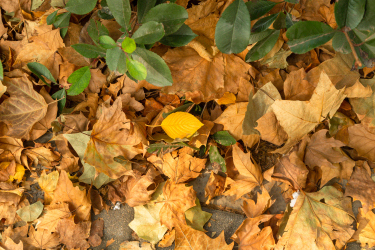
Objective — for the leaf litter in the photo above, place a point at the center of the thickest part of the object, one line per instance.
(304, 123)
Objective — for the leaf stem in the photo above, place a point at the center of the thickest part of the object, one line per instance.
(357, 61)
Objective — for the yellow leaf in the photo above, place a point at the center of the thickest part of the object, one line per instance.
(227, 98)
(180, 125)
(19, 173)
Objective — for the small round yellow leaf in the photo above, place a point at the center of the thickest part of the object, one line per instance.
(181, 125)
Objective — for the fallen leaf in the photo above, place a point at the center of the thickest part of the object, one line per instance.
(135, 245)
(270, 129)
(203, 134)
(40, 239)
(362, 141)
(365, 233)
(31, 212)
(54, 213)
(264, 201)
(296, 87)
(168, 239)
(214, 186)
(196, 218)
(364, 107)
(227, 98)
(73, 235)
(359, 90)
(180, 125)
(96, 232)
(8, 244)
(48, 184)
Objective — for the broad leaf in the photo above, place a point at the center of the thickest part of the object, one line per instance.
(232, 32)
(224, 138)
(289, 21)
(280, 22)
(158, 72)
(292, 1)
(180, 125)
(257, 36)
(116, 60)
(264, 23)
(349, 13)
(149, 33)
(136, 69)
(40, 70)
(259, 8)
(143, 6)
(365, 107)
(121, 11)
(128, 45)
(340, 43)
(307, 35)
(52, 17)
(181, 37)
(80, 79)
(89, 51)
(107, 42)
(196, 218)
(80, 7)
(262, 47)
(172, 22)
(31, 212)
(61, 96)
(368, 21)
(96, 29)
(216, 158)
(62, 22)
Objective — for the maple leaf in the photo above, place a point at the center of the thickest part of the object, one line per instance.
(250, 174)
(186, 238)
(111, 136)
(362, 140)
(296, 87)
(196, 217)
(179, 168)
(54, 213)
(48, 184)
(8, 244)
(365, 233)
(23, 109)
(264, 201)
(78, 201)
(320, 220)
(270, 129)
(300, 117)
(365, 107)
(214, 186)
(74, 235)
(40, 239)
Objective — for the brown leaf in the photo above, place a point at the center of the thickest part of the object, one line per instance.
(365, 233)
(296, 87)
(74, 235)
(130, 102)
(135, 245)
(168, 239)
(270, 129)
(361, 187)
(91, 103)
(178, 199)
(111, 136)
(16, 234)
(8, 212)
(214, 186)
(264, 201)
(68, 162)
(179, 168)
(78, 201)
(362, 141)
(13, 146)
(8, 244)
(53, 215)
(40, 239)
(96, 232)
(167, 99)
(23, 109)
(97, 81)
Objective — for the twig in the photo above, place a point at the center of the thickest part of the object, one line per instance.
(357, 61)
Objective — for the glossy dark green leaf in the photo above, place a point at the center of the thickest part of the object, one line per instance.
(368, 21)
(349, 13)
(143, 6)
(215, 157)
(88, 50)
(121, 11)
(61, 96)
(280, 22)
(128, 45)
(136, 69)
(107, 42)
(62, 22)
(257, 36)
(340, 43)
(52, 17)
(224, 138)
(232, 31)
(259, 8)
(367, 41)
(289, 21)
(163, 1)
(263, 47)
(181, 37)
(158, 72)
(292, 1)
(105, 13)
(80, 7)
(307, 35)
(96, 29)
(40, 70)
(149, 33)
(264, 23)
(116, 60)
(172, 21)
(79, 79)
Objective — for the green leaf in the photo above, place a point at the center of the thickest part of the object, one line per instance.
(289, 21)
(368, 21)
(88, 50)
(257, 36)
(36, 4)
(40, 70)
(158, 72)
(79, 79)
(136, 69)
(149, 33)
(224, 138)
(307, 35)
(80, 7)
(196, 218)
(263, 47)
(52, 17)
(264, 23)
(292, 1)
(121, 11)
(107, 42)
(172, 21)
(128, 45)
(340, 43)
(1, 71)
(232, 31)
(215, 157)
(116, 60)
(162, 147)
(96, 29)
(31, 212)
(89, 174)
(349, 13)
(62, 21)
(181, 37)
(143, 6)
(60, 95)
(105, 13)
(280, 22)
(259, 8)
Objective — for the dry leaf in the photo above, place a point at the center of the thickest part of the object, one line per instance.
(264, 201)
(40, 239)
(74, 235)
(362, 141)
(214, 186)
(54, 213)
(270, 129)
(96, 232)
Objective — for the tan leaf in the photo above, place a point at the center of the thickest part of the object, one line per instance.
(96, 232)
(300, 117)
(250, 174)
(8, 244)
(179, 168)
(53, 215)
(270, 129)
(358, 90)
(23, 109)
(8, 212)
(168, 239)
(74, 235)
(48, 184)
(362, 141)
(365, 233)
(214, 186)
(91, 103)
(78, 201)
(178, 199)
(264, 201)
(135, 245)
(203, 134)
(40, 239)
(296, 87)
(111, 136)
(364, 107)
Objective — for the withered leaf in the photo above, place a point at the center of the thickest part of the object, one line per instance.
(40, 239)
(74, 235)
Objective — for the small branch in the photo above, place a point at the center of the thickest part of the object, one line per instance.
(357, 61)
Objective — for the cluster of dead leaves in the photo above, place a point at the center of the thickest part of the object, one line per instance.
(314, 108)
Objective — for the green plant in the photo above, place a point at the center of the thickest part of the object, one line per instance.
(355, 33)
